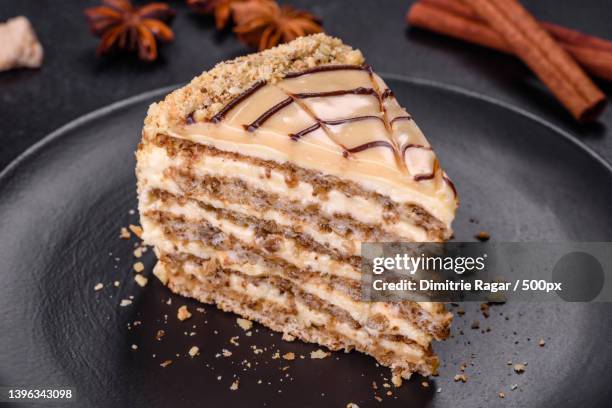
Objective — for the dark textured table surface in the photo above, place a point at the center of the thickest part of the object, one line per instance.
(73, 81)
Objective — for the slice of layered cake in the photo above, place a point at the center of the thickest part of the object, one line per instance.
(259, 180)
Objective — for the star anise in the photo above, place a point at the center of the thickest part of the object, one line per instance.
(264, 24)
(123, 26)
(222, 9)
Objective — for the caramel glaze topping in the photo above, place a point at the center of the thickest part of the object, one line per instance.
(234, 102)
(329, 95)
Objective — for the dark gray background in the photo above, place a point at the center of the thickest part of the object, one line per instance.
(43, 211)
(73, 81)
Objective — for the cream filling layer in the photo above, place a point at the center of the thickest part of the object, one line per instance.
(153, 234)
(406, 352)
(307, 316)
(154, 160)
(288, 250)
(331, 239)
(360, 311)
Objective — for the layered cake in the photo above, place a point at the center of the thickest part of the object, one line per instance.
(259, 180)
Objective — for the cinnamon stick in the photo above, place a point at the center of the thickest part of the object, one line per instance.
(455, 7)
(452, 18)
(596, 62)
(559, 33)
(573, 37)
(423, 15)
(531, 43)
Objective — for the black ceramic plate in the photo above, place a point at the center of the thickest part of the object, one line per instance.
(63, 202)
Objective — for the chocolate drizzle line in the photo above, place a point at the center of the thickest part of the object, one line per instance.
(427, 176)
(355, 91)
(387, 93)
(325, 68)
(450, 184)
(398, 118)
(231, 104)
(267, 114)
(304, 132)
(353, 119)
(320, 124)
(369, 145)
(414, 146)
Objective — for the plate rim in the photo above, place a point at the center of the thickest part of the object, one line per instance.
(33, 149)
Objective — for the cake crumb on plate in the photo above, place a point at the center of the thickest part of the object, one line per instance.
(483, 236)
(124, 233)
(141, 280)
(460, 377)
(183, 313)
(244, 324)
(318, 354)
(136, 229)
